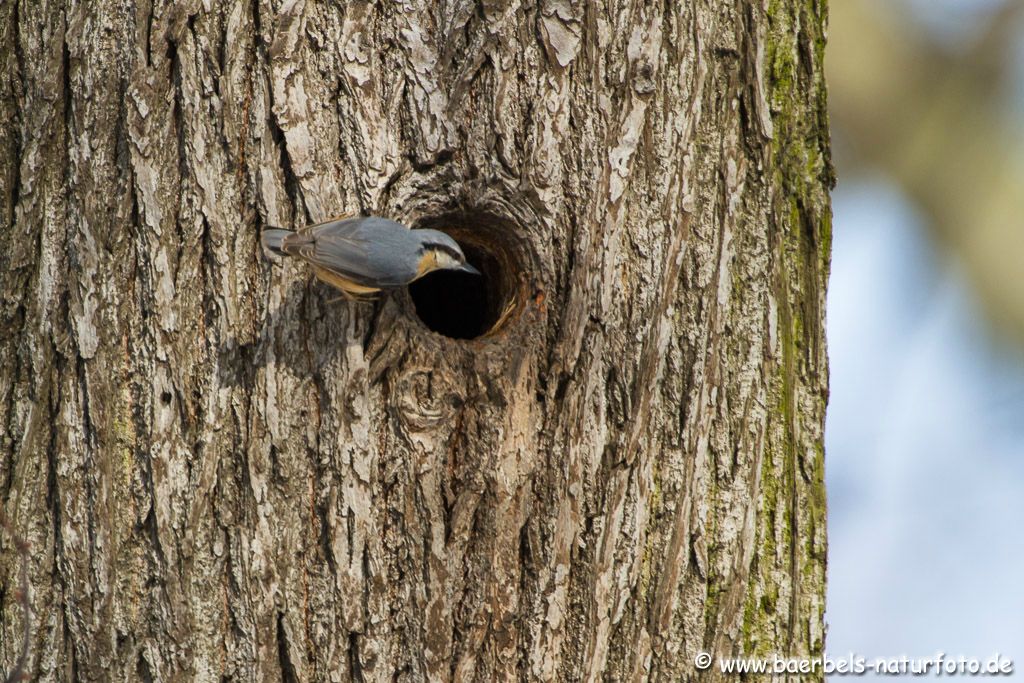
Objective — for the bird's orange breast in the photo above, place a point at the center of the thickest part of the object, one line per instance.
(343, 283)
(428, 263)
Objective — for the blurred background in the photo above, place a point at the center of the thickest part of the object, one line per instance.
(925, 432)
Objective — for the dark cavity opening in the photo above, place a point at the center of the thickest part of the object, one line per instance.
(464, 306)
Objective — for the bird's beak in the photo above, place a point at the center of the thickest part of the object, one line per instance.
(466, 268)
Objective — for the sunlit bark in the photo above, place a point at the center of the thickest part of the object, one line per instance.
(222, 472)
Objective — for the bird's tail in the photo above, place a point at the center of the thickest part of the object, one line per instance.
(273, 237)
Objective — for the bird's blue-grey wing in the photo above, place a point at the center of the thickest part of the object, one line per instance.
(360, 250)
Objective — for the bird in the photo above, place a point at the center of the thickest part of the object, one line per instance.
(361, 256)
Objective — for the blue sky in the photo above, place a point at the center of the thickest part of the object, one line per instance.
(924, 448)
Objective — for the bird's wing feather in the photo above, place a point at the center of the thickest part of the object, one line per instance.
(344, 247)
(313, 227)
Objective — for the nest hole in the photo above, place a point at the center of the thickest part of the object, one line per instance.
(462, 305)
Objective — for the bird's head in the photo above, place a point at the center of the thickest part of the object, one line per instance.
(438, 251)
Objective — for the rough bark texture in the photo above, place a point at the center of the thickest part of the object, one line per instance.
(223, 473)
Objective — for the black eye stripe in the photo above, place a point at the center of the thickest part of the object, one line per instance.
(445, 248)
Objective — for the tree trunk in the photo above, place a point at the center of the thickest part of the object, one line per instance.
(223, 472)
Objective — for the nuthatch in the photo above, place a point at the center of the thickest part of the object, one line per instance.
(361, 256)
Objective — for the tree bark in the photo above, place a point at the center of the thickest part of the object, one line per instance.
(224, 473)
